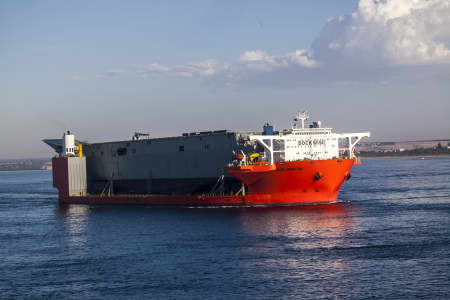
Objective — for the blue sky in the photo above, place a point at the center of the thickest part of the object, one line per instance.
(104, 69)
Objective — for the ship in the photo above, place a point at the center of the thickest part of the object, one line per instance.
(307, 163)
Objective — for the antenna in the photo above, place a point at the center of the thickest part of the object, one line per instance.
(302, 117)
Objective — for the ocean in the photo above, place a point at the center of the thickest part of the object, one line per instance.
(388, 237)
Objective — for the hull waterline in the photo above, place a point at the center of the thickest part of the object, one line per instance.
(290, 183)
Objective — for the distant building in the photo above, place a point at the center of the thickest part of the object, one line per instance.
(402, 146)
(47, 166)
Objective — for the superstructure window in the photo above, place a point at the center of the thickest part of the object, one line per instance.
(181, 148)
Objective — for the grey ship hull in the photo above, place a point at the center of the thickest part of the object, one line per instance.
(190, 164)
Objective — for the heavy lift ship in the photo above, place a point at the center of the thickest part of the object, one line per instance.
(301, 165)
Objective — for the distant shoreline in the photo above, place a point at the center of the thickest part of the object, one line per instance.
(21, 170)
(404, 156)
(40, 167)
(26, 164)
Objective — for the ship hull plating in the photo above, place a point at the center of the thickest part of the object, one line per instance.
(179, 186)
(288, 183)
(312, 181)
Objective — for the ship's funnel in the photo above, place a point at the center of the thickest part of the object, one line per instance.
(68, 144)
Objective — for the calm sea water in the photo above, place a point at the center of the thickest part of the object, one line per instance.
(387, 238)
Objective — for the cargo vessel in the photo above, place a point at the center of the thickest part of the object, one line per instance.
(307, 163)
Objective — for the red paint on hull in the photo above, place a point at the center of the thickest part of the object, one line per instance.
(160, 200)
(181, 200)
(294, 182)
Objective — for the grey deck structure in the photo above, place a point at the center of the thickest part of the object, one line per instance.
(188, 164)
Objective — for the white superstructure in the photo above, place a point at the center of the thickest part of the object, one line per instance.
(68, 145)
(307, 143)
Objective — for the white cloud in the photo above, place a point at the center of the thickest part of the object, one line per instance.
(200, 68)
(114, 72)
(148, 70)
(157, 68)
(191, 69)
(261, 61)
(302, 58)
(184, 74)
(334, 45)
(383, 11)
(258, 55)
(380, 39)
(390, 32)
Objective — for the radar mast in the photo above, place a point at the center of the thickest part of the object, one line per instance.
(301, 117)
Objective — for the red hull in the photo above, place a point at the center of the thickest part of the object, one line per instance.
(294, 182)
(201, 201)
(160, 200)
(280, 184)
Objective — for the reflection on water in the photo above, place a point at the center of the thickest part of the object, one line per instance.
(295, 239)
(75, 219)
(326, 224)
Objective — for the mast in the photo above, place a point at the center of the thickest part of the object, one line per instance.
(301, 117)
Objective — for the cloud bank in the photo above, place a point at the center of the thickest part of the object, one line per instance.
(391, 32)
(380, 41)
